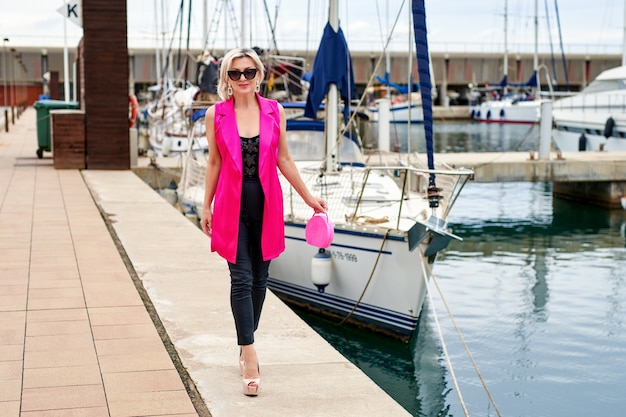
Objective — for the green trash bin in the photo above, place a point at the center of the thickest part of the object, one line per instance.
(43, 108)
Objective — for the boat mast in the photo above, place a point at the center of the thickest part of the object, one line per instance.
(537, 87)
(506, 47)
(332, 126)
(157, 47)
(387, 54)
(244, 8)
(624, 42)
(536, 54)
(205, 20)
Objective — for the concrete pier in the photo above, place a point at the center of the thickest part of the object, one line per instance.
(111, 304)
(591, 177)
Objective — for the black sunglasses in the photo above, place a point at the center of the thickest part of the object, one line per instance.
(248, 73)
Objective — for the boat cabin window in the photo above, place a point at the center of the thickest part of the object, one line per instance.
(599, 86)
(308, 145)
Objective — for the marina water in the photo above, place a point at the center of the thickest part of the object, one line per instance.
(537, 288)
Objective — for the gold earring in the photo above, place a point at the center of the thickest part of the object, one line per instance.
(229, 91)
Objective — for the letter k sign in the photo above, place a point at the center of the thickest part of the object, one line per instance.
(73, 11)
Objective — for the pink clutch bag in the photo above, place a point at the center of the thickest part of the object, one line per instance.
(319, 231)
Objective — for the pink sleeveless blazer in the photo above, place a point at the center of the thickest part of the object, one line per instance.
(227, 200)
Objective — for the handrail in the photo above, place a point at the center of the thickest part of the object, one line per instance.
(460, 171)
(454, 193)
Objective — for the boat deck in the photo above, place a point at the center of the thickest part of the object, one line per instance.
(111, 304)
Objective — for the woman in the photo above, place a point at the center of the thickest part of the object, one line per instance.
(247, 142)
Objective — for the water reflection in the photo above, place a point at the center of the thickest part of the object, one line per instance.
(512, 216)
(537, 287)
(413, 374)
(430, 372)
(539, 291)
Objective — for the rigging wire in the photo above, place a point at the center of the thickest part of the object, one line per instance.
(444, 347)
(272, 24)
(180, 34)
(166, 62)
(186, 65)
(308, 29)
(558, 21)
(460, 334)
(552, 60)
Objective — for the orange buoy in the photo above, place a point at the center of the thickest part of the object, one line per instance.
(133, 106)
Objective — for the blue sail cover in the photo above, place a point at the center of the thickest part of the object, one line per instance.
(423, 69)
(532, 82)
(402, 89)
(333, 65)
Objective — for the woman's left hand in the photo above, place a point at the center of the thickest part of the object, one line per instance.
(318, 204)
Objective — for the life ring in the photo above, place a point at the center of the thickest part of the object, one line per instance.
(133, 106)
(608, 127)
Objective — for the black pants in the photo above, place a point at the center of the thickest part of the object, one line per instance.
(248, 275)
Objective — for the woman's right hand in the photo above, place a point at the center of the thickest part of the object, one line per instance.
(206, 221)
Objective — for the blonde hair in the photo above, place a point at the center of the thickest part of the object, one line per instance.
(222, 85)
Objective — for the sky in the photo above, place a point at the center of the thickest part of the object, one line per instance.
(453, 25)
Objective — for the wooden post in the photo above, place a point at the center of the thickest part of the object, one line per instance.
(53, 85)
(104, 84)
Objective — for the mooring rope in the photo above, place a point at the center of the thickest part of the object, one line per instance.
(463, 342)
(380, 251)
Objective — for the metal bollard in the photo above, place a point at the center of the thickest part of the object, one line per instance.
(545, 129)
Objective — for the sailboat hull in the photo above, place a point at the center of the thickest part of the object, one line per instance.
(383, 282)
(401, 113)
(507, 111)
(594, 119)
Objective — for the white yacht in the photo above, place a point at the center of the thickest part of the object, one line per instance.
(595, 118)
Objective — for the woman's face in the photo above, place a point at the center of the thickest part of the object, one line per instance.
(243, 75)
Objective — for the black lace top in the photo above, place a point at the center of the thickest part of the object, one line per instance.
(250, 156)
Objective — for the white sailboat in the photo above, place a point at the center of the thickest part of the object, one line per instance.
(522, 106)
(169, 123)
(595, 118)
(404, 103)
(389, 221)
(387, 232)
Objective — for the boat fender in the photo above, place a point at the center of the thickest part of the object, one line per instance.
(478, 114)
(582, 143)
(166, 146)
(473, 114)
(489, 114)
(502, 113)
(321, 269)
(608, 127)
(133, 106)
(170, 194)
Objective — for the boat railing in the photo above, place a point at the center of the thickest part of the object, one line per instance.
(384, 197)
(421, 174)
(604, 102)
